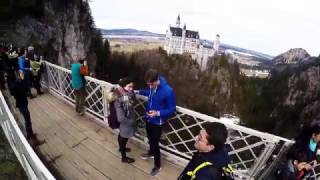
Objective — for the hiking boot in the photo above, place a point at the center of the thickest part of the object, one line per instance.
(128, 160)
(127, 150)
(155, 171)
(147, 156)
(35, 142)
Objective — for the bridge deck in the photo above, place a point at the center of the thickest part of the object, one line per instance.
(81, 149)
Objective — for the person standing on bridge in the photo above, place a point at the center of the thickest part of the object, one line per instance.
(160, 106)
(124, 106)
(20, 91)
(302, 156)
(211, 160)
(24, 66)
(79, 69)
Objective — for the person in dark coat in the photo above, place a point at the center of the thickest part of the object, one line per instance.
(20, 93)
(302, 156)
(11, 67)
(211, 158)
(124, 106)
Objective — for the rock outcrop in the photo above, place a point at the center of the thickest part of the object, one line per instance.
(292, 56)
(62, 31)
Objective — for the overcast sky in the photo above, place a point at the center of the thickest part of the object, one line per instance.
(267, 26)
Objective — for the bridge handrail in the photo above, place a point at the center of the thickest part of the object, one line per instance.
(28, 159)
(252, 152)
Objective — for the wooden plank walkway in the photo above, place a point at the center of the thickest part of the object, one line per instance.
(81, 149)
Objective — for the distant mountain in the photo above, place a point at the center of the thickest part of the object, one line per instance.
(134, 32)
(248, 51)
(129, 32)
(292, 56)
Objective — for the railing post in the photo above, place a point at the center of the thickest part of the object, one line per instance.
(277, 160)
(105, 104)
(60, 83)
(48, 77)
(261, 161)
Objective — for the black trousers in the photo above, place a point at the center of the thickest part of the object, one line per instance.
(154, 134)
(27, 120)
(122, 146)
(36, 82)
(28, 81)
(2, 80)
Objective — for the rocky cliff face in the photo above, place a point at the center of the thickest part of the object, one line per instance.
(62, 31)
(291, 57)
(300, 105)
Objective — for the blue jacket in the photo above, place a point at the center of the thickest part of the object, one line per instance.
(23, 64)
(160, 99)
(219, 158)
(77, 79)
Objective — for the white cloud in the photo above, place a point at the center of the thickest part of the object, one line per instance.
(269, 26)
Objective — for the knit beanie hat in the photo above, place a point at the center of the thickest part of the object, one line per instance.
(124, 81)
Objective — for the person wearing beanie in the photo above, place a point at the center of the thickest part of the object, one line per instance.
(124, 106)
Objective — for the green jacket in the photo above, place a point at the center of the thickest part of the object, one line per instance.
(35, 67)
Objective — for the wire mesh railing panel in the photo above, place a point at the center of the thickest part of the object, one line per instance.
(251, 152)
(28, 159)
(246, 146)
(59, 80)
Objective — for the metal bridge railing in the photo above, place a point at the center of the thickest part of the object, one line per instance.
(253, 153)
(28, 159)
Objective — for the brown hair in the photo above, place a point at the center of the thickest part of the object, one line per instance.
(151, 75)
(217, 134)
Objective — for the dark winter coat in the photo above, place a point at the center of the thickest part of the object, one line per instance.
(20, 93)
(219, 158)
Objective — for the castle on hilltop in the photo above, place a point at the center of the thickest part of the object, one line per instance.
(181, 40)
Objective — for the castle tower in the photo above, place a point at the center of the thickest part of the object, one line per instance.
(216, 44)
(183, 40)
(178, 21)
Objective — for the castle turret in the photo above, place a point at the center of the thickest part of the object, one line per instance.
(183, 40)
(178, 21)
(216, 44)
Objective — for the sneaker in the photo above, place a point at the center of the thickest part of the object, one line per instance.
(146, 156)
(155, 171)
(127, 150)
(128, 160)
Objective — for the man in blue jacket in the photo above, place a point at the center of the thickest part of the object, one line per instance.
(160, 106)
(211, 160)
(24, 66)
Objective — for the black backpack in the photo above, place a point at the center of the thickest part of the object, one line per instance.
(112, 117)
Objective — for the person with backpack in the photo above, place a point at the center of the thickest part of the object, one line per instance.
(124, 106)
(79, 69)
(211, 160)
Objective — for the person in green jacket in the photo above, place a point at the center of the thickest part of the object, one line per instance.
(36, 73)
(78, 84)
